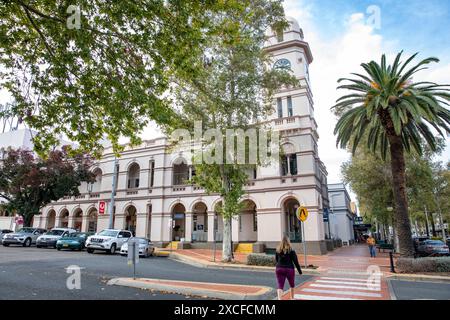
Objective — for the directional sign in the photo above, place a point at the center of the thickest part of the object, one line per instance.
(302, 213)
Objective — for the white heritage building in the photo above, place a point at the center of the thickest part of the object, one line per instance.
(153, 200)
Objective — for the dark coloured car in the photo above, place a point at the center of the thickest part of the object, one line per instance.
(432, 248)
(73, 241)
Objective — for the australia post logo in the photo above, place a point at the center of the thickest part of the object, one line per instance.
(101, 207)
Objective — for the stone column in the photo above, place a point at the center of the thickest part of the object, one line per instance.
(235, 229)
(270, 226)
(141, 224)
(84, 223)
(188, 227)
(211, 215)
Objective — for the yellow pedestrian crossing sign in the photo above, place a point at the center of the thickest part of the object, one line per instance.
(302, 214)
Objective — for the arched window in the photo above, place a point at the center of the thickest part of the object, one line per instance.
(180, 172)
(97, 185)
(133, 176)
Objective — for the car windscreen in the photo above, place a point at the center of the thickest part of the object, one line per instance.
(26, 230)
(55, 232)
(73, 235)
(143, 241)
(435, 243)
(108, 233)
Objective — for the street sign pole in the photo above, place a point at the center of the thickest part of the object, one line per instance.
(133, 254)
(304, 242)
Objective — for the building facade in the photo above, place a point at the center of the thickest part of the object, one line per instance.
(153, 199)
(342, 215)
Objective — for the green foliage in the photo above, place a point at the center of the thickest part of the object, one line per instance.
(432, 264)
(109, 77)
(265, 260)
(28, 184)
(386, 103)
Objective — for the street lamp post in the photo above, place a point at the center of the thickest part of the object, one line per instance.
(113, 193)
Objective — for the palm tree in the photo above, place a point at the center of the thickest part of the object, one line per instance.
(388, 110)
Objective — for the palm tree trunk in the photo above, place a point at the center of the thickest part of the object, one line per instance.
(402, 222)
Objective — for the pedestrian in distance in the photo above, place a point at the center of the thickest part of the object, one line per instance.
(287, 261)
(371, 243)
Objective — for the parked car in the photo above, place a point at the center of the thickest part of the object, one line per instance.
(73, 241)
(50, 238)
(146, 248)
(25, 236)
(3, 232)
(417, 240)
(448, 241)
(109, 240)
(433, 248)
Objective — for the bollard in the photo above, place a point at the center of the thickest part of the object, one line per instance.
(391, 259)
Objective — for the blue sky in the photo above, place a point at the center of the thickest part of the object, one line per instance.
(342, 35)
(415, 25)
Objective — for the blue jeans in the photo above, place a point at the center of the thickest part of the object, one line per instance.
(372, 251)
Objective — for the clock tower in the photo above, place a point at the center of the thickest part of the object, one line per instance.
(300, 168)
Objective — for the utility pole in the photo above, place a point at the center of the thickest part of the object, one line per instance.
(427, 221)
(442, 220)
(113, 194)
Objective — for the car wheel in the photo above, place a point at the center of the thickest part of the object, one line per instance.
(59, 249)
(90, 250)
(38, 246)
(6, 244)
(27, 243)
(113, 249)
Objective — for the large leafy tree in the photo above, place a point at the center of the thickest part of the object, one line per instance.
(92, 68)
(28, 183)
(397, 114)
(233, 90)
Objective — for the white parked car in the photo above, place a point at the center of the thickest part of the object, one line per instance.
(50, 238)
(146, 248)
(109, 240)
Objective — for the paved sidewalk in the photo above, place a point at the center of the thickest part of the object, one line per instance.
(200, 289)
(354, 257)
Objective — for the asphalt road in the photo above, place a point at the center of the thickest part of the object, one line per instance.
(411, 290)
(32, 273)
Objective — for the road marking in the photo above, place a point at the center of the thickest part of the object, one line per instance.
(343, 279)
(311, 297)
(350, 293)
(344, 282)
(365, 287)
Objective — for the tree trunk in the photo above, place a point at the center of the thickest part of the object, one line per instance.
(28, 219)
(227, 254)
(402, 221)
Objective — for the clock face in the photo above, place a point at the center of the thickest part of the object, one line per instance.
(282, 64)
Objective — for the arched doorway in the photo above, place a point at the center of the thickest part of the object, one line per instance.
(64, 219)
(293, 226)
(248, 224)
(51, 219)
(130, 219)
(92, 220)
(78, 219)
(200, 222)
(179, 222)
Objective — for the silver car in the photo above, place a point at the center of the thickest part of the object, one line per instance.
(146, 248)
(25, 236)
(3, 232)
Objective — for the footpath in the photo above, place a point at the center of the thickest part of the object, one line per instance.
(347, 273)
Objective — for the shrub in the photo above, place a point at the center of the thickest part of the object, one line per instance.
(429, 264)
(266, 260)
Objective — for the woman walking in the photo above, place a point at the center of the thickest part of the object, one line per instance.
(287, 261)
